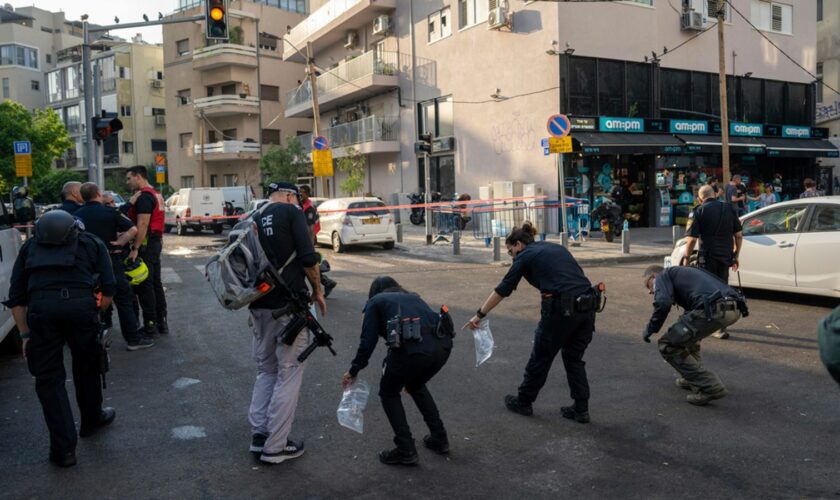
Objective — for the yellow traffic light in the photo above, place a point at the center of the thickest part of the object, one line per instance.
(217, 14)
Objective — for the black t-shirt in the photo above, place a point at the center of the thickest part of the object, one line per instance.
(311, 214)
(283, 230)
(103, 222)
(145, 204)
(715, 223)
(548, 267)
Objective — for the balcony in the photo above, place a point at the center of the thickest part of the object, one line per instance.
(228, 151)
(224, 55)
(361, 76)
(227, 105)
(329, 24)
(373, 134)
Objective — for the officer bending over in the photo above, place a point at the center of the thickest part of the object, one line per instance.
(567, 318)
(419, 342)
(51, 296)
(709, 305)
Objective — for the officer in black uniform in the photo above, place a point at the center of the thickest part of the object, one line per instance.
(567, 318)
(116, 231)
(419, 342)
(51, 296)
(717, 226)
(71, 196)
(709, 305)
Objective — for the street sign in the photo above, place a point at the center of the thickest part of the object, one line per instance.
(160, 174)
(560, 144)
(23, 158)
(320, 143)
(558, 126)
(322, 163)
(544, 142)
(23, 148)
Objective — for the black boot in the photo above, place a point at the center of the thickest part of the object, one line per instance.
(399, 456)
(515, 405)
(162, 327)
(579, 412)
(106, 416)
(438, 443)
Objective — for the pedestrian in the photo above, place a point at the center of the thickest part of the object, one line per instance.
(713, 182)
(719, 230)
(313, 221)
(567, 318)
(810, 189)
(146, 210)
(736, 194)
(116, 231)
(108, 199)
(709, 305)
(828, 334)
(72, 198)
(419, 341)
(767, 198)
(285, 238)
(51, 294)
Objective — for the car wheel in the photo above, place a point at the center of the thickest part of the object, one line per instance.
(180, 229)
(217, 229)
(338, 246)
(388, 245)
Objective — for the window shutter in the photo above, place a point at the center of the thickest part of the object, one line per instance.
(492, 4)
(776, 23)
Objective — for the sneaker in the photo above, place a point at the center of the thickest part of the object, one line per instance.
(292, 450)
(723, 334)
(683, 384)
(141, 343)
(257, 443)
(106, 416)
(438, 444)
(328, 285)
(702, 398)
(513, 404)
(581, 417)
(398, 456)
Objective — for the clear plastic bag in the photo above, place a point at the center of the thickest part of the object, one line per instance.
(352, 406)
(483, 342)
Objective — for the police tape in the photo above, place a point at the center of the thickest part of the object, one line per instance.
(441, 204)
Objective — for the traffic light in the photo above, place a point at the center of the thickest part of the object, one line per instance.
(215, 17)
(424, 145)
(104, 126)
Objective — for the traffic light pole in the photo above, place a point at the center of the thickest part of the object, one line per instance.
(428, 171)
(97, 105)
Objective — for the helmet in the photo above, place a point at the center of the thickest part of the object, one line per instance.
(136, 271)
(20, 191)
(57, 228)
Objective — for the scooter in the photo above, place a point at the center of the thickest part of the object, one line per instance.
(608, 213)
(418, 214)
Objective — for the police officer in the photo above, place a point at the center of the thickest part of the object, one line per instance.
(709, 305)
(116, 231)
(717, 226)
(313, 221)
(71, 196)
(567, 318)
(51, 294)
(419, 342)
(286, 241)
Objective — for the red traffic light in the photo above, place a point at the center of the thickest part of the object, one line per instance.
(105, 127)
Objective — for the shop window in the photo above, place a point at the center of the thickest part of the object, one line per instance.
(779, 221)
(676, 89)
(638, 90)
(610, 88)
(797, 104)
(825, 218)
(752, 100)
(700, 101)
(582, 86)
(774, 96)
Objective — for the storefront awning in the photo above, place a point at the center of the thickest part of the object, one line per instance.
(712, 144)
(593, 143)
(800, 148)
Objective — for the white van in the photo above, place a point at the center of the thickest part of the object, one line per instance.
(10, 243)
(196, 209)
(238, 197)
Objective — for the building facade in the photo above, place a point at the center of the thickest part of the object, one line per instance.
(223, 100)
(828, 70)
(483, 76)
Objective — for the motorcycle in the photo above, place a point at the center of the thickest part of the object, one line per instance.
(418, 214)
(608, 213)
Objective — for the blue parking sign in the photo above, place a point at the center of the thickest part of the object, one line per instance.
(23, 148)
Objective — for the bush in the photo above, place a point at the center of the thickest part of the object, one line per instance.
(47, 187)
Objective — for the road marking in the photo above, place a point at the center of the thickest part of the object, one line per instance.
(168, 275)
(185, 382)
(200, 269)
(359, 261)
(187, 432)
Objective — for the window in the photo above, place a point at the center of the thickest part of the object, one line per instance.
(270, 136)
(158, 112)
(159, 75)
(159, 145)
(185, 140)
(610, 88)
(711, 11)
(6, 89)
(229, 134)
(779, 221)
(49, 58)
(471, 12)
(752, 100)
(774, 98)
(187, 181)
(582, 85)
(440, 24)
(183, 97)
(211, 136)
(700, 101)
(128, 147)
(638, 90)
(182, 47)
(730, 96)
(772, 16)
(269, 93)
(18, 55)
(643, 2)
(825, 218)
(231, 180)
(214, 180)
(229, 89)
(73, 118)
(676, 89)
(268, 42)
(36, 85)
(819, 10)
(797, 104)
(54, 86)
(125, 110)
(819, 86)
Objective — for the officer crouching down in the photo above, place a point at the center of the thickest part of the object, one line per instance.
(419, 342)
(51, 294)
(710, 305)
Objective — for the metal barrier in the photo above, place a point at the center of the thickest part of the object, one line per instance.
(449, 219)
(497, 220)
(546, 216)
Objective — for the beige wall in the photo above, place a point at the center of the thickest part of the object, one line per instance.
(828, 52)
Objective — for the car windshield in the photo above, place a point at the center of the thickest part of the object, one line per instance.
(373, 205)
(118, 199)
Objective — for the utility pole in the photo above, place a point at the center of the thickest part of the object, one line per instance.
(201, 146)
(724, 108)
(100, 147)
(313, 82)
(90, 147)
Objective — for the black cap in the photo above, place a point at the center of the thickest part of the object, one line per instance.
(283, 186)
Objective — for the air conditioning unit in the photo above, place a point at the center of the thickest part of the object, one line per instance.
(381, 25)
(499, 18)
(160, 120)
(691, 21)
(157, 84)
(350, 40)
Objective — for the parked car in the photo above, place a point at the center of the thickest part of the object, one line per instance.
(340, 228)
(196, 209)
(10, 243)
(237, 198)
(253, 206)
(790, 246)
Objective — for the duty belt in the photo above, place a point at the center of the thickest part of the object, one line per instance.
(62, 294)
(726, 305)
(584, 302)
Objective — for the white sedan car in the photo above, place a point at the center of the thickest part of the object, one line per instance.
(355, 221)
(793, 246)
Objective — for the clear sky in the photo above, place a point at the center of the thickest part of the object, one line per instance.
(103, 11)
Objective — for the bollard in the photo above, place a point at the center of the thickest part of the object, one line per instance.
(399, 233)
(564, 239)
(497, 249)
(677, 233)
(625, 241)
(456, 243)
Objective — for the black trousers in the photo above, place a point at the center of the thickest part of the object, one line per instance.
(52, 323)
(412, 372)
(124, 302)
(717, 267)
(567, 335)
(150, 292)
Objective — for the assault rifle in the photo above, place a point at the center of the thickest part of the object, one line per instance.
(302, 318)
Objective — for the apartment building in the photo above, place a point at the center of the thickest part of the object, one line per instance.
(29, 40)
(223, 100)
(131, 80)
(483, 76)
(828, 70)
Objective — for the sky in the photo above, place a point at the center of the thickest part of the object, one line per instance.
(103, 12)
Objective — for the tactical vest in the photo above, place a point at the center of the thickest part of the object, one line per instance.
(157, 216)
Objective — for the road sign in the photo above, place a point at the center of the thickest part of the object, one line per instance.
(544, 142)
(23, 148)
(560, 145)
(320, 143)
(23, 158)
(322, 163)
(558, 126)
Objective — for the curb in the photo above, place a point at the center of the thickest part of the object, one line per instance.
(584, 261)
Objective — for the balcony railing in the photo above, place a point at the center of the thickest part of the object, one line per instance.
(227, 102)
(224, 54)
(367, 64)
(369, 129)
(328, 12)
(227, 147)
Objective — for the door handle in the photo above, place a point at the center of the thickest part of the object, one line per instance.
(784, 245)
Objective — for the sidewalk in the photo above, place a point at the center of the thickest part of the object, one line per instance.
(646, 244)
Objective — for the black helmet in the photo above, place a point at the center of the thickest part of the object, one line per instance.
(57, 228)
(20, 191)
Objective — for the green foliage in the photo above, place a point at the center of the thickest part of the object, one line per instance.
(46, 188)
(353, 164)
(284, 163)
(44, 129)
(236, 35)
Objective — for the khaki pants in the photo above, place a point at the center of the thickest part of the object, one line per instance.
(680, 347)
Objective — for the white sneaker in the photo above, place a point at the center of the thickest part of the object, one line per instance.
(292, 450)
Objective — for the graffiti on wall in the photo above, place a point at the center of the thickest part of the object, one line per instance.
(515, 134)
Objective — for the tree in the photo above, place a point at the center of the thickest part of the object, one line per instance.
(284, 163)
(46, 188)
(44, 130)
(353, 164)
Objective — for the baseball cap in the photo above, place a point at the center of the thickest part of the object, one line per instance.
(283, 186)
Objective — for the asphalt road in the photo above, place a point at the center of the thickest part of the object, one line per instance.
(182, 430)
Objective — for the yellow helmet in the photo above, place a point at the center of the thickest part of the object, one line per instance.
(136, 271)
